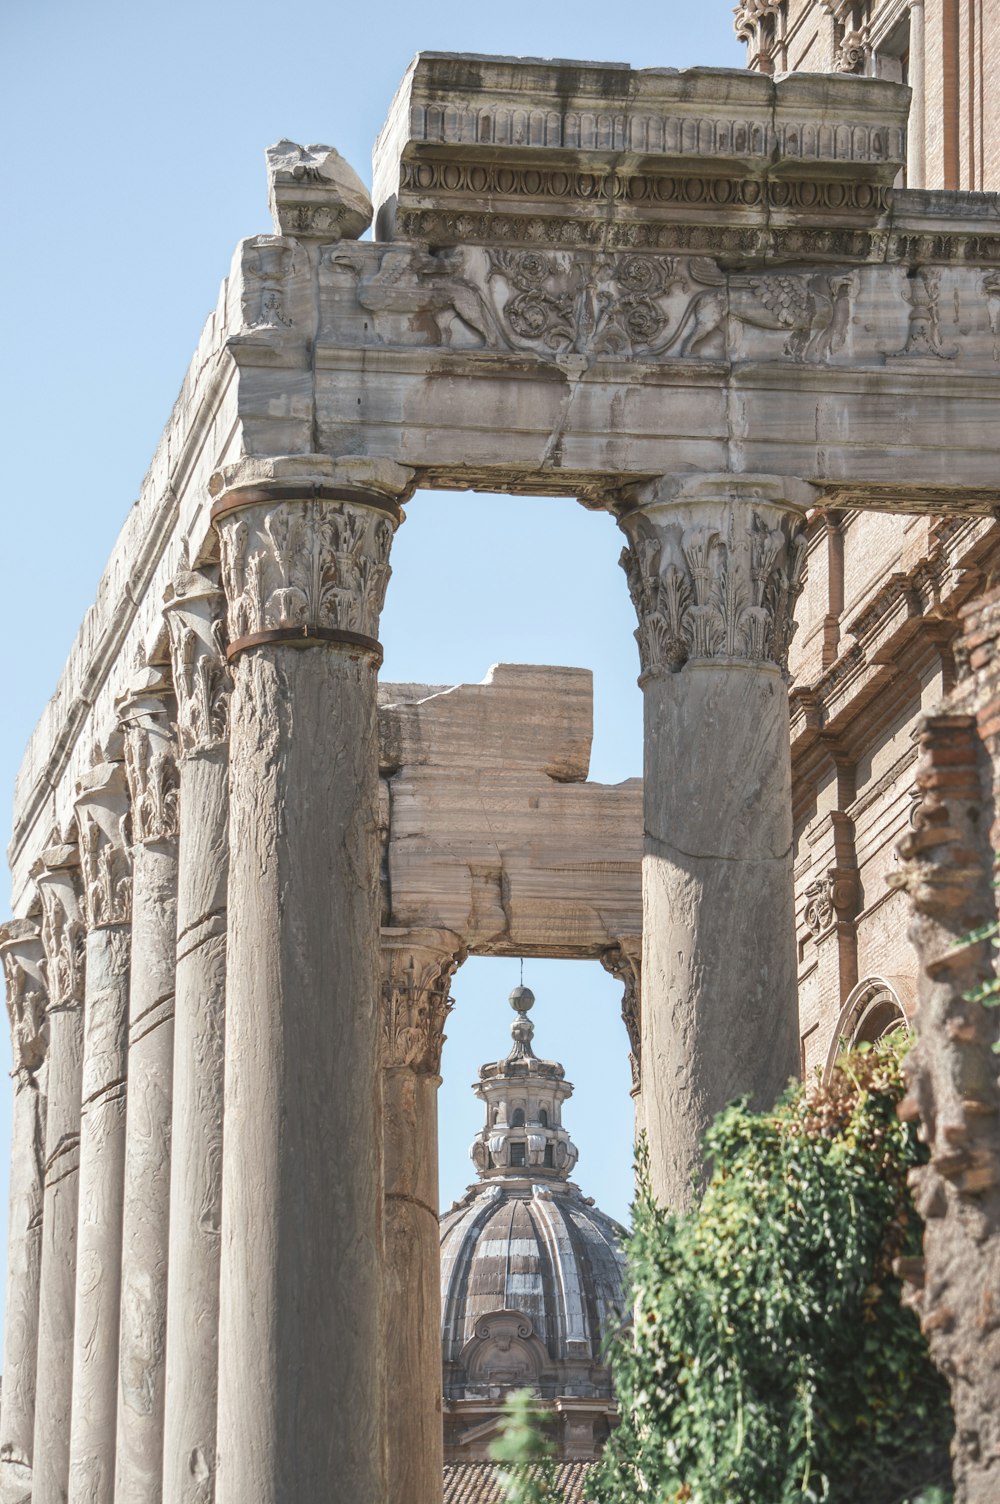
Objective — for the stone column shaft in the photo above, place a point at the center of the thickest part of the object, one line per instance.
(102, 818)
(24, 972)
(714, 567)
(916, 133)
(417, 968)
(201, 680)
(63, 936)
(147, 718)
(300, 1346)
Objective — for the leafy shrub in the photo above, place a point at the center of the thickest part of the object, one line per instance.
(527, 1451)
(771, 1361)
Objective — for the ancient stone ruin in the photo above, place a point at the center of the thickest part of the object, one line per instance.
(244, 874)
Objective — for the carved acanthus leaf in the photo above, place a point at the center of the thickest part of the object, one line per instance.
(710, 592)
(64, 934)
(624, 961)
(305, 564)
(194, 611)
(416, 1003)
(148, 721)
(102, 813)
(24, 974)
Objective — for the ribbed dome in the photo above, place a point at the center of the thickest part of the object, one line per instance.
(532, 1273)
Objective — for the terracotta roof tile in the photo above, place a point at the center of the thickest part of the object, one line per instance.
(479, 1482)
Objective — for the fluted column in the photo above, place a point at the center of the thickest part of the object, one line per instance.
(201, 681)
(417, 968)
(63, 937)
(305, 567)
(147, 718)
(624, 961)
(714, 565)
(102, 820)
(24, 973)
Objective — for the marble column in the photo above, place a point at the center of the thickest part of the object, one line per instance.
(193, 610)
(305, 566)
(624, 961)
(147, 717)
(916, 130)
(56, 876)
(714, 565)
(102, 813)
(24, 973)
(417, 968)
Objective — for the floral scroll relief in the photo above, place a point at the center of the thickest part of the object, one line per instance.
(301, 564)
(699, 596)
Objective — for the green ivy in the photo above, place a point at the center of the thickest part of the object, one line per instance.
(771, 1361)
(528, 1476)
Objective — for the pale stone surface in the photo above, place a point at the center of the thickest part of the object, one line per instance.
(201, 679)
(24, 974)
(417, 967)
(63, 937)
(102, 812)
(148, 723)
(313, 191)
(714, 567)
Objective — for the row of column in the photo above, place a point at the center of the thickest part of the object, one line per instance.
(224, 1204)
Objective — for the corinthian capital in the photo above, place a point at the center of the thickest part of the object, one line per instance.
(194, 609)
(624, 961)
(24, 973)
(417, 968)
(63, 932)
(102, 817)
(147, 715)
(307, 559)
(714, 567)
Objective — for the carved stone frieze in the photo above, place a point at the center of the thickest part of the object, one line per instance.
(714, 581)
(267, 264)
(24, 973)
(102, 814)
(417, 968)
(305, 568)
(194, 610)
(63, 931)
(624, 961)
(147, 715)
(617, 305)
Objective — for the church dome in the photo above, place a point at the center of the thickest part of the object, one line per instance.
(533, 1277)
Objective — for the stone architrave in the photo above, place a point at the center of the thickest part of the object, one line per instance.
(714, 566)
(63, 937)
(102, 812)
(417, 968)
(193, 611)
(305, 563)
(147, 717)
(24, 973)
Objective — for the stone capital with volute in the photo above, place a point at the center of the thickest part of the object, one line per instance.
(147, 716)
(194, 608)
(24, 973)
(417, 968)
(624, 961)
(103, 821)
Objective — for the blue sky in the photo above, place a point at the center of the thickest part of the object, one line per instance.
(133, 142)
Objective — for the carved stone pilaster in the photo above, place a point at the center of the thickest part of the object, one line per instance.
(417, 968)
(624, 961)
(305, 563)
(714, 567)
(64, 934)
(27, 997)
(194, 610)
(102, 814)
(147, 716)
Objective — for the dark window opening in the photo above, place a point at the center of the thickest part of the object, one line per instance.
(517, 1152)
(549, 1162)
(517, 1121)
(543, 1117)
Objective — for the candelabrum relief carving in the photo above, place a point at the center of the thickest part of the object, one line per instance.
(417, 974)
(648, 307)
(624, 961)
(64, 934)
(147, 716)
(714, 583)
(102, 813)
(194, 607)
(306, 568)
(267, 265)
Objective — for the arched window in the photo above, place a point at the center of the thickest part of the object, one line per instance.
(517, 1121)
(874, 1010)
(543, 1117)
